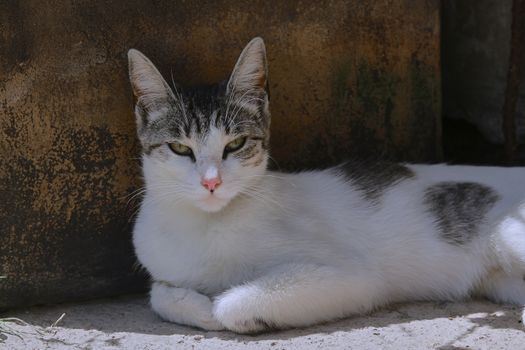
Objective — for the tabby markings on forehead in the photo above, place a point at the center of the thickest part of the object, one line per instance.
(372, 179)
(200, 108)
(236, 120)
(192, 112)
(159, 131)
(459, 208)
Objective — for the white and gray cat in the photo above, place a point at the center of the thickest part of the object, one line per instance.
(231, 245)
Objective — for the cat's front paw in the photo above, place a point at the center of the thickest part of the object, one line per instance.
(184, 306)
(237, 310)
(210, 324)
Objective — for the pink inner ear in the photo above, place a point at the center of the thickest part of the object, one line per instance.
(262, 79)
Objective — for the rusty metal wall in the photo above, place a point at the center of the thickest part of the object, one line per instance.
(346, 78)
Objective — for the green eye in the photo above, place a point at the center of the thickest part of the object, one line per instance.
(180, 149)
(234, 145)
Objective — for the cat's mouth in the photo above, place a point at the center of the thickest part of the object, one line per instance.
(212, 202)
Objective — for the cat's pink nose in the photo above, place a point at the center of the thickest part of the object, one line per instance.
(211, 184)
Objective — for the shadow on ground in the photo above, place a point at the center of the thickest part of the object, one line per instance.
(128, 322)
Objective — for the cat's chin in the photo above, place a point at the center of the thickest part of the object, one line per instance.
(212, 204)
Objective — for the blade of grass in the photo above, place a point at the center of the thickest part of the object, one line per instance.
(57, 321)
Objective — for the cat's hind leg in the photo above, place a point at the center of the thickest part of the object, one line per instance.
(184, 306)
(295, 296)
(507, 283)
(504, 288)
(509, 241)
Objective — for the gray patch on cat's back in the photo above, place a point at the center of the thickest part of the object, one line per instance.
(459, 208)
(372, 179)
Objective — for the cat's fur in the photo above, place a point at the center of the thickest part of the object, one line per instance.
(272, 250)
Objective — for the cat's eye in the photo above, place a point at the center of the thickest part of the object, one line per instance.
(180, 149)
(234, 145)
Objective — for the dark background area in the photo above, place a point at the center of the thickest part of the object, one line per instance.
(475, 46)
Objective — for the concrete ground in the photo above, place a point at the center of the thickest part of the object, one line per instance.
(128, 323)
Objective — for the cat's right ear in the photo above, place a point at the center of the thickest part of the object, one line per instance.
(153, 95)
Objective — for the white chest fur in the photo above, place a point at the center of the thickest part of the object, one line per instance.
(208, 254)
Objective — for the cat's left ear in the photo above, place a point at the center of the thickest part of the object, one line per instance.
(250, 75)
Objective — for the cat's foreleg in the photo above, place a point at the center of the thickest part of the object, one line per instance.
(184, 306)
(295, 296)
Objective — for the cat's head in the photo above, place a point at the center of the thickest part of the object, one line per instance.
(203, 146)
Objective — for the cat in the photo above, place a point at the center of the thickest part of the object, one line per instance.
(232, 246)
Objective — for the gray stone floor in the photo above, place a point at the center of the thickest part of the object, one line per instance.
(128, 323)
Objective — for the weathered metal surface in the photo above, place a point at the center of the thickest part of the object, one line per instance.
(346, 78)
